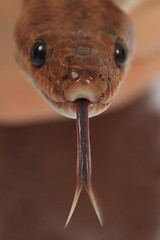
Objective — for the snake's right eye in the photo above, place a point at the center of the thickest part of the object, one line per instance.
(38, 53)
(121, 53)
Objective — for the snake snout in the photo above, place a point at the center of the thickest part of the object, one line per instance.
(83, 74)
(85, 86)
(88, 91)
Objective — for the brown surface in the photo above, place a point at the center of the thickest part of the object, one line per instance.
(37, 178)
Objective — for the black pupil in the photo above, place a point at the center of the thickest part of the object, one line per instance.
(38, 53)
(121, 53)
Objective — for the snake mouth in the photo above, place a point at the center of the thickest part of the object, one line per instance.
(99, 95)
(98, 102)
(68, 109)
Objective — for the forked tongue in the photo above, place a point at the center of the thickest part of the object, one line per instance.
(83, 159)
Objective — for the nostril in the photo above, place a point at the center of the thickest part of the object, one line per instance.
(101, 77)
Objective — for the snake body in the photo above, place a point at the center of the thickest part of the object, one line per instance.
(76, 54)
(80, 39)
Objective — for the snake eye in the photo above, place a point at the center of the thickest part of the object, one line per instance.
(121, 53)
(38, 53)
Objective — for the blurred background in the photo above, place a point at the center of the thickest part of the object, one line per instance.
(38, 149)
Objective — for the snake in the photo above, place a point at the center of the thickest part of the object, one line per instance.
(76, 54)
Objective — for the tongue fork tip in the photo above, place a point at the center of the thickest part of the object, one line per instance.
(74, 203)
(92, 199)
(94, 204)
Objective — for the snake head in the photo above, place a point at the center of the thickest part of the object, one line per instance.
(72, 56)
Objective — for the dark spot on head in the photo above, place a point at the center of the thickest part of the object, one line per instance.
(101, 77)
(64, 77)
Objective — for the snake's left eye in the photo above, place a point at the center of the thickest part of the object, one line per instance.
(38, 53)
(121, 53)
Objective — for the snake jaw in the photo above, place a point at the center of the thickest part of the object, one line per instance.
(68, 109)
(98, 94)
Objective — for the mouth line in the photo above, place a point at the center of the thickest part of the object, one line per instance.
(68, 108)
(90, 103)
